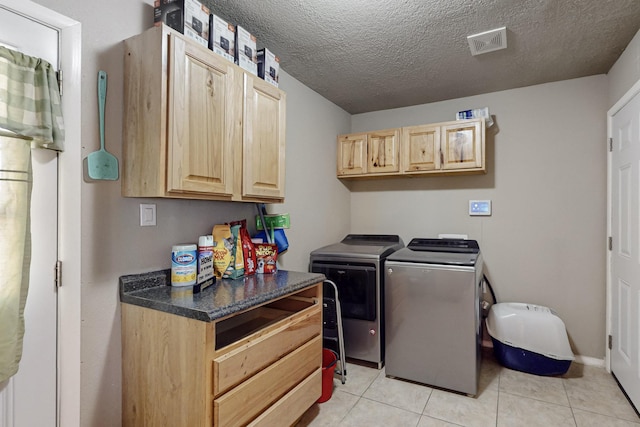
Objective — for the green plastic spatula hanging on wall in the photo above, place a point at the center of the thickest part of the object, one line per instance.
(101, 164)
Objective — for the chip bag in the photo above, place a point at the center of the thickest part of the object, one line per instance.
(267, 257)
(225, 250)
(248, 249)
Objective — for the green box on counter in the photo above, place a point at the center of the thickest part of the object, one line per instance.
(274, 221)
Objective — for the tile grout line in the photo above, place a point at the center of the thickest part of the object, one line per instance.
(573, 414)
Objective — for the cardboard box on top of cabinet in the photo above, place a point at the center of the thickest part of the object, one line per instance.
(246, 53)
(222, 38)
(268, 66)
(190, 17)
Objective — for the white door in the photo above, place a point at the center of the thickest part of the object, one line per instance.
(30, 396)
(625, 253)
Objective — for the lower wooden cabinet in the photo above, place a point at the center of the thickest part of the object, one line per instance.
(286, 411)
(260, 367)
(252, 397)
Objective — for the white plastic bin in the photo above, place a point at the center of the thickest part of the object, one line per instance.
(529, 338)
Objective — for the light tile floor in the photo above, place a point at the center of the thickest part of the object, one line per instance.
(585, 396)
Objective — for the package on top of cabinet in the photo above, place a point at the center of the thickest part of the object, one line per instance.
(222, 37)
(246, 53)
(474, 114)
(268, 66)
(190, 17)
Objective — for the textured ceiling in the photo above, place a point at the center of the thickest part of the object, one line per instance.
(369, 55)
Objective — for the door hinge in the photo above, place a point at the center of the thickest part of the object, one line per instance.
(610, 243)
(610, 144)
(58, 272)
(59, 74)
(610, 344)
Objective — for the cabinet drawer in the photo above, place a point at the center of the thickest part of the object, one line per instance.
(243, 362)
(246, 401)
(287, 410)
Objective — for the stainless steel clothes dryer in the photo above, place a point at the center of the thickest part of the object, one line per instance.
(356, 266)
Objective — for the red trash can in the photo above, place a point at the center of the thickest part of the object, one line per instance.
(329, 360)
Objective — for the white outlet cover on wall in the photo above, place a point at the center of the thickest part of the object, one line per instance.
(453, 236)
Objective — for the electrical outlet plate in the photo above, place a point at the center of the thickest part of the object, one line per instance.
(147, 215)
(480, 207)
(453, 236)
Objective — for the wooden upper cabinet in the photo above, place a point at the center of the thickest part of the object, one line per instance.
(438, 148)
(203, 91)
(383, 150)
(420, 148)
(264, 140)
(352, 154)
(462, 145)
(197, 126)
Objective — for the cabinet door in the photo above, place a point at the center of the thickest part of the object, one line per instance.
(352, 154)
(383, 149)
(420, 148)
(461, 145)
(263, 159)
(201, 120)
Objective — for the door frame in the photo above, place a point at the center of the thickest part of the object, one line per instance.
(69, 207)
(624, 100)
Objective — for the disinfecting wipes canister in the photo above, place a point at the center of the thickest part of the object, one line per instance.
(184, 265)
(205, 258)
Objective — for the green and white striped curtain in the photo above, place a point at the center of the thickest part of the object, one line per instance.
(30, 116)
(30, 99)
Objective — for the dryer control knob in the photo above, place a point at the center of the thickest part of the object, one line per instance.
(372, 331)
(390, 270)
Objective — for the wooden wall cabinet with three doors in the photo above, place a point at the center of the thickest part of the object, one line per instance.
(438, 148)
(197, 126)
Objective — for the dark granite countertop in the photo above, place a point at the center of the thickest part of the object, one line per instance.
(225, 297)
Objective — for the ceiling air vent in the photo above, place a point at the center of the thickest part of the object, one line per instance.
(488, 41)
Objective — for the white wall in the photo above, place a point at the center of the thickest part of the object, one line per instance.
(316, 201)
(545, 242)
(113, 243)
(625, 72)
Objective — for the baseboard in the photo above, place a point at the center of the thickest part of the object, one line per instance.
(590, 361)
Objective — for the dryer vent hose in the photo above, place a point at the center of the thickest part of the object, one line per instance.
(493, 295)
(486, 305)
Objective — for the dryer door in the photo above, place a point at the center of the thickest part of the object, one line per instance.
(356, 287)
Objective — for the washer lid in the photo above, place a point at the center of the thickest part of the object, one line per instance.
(443, 258)
(362, 246)
(418, 256)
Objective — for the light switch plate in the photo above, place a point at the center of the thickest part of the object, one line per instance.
(147, 215)
(480, 207)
